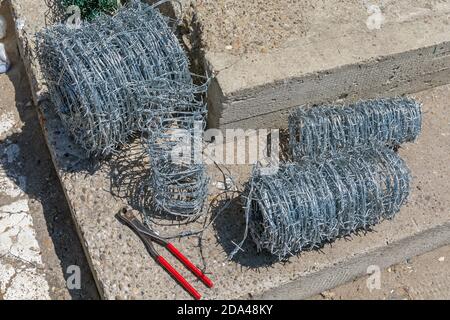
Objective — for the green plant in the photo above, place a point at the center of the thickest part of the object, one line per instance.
(91, 8)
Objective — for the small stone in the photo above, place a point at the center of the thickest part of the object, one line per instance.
(187, 42)
(229, 47)
(328, 295)
(20, 24)
(441, 259)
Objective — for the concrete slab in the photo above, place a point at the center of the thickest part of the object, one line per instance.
(270, 56)
(122, 268)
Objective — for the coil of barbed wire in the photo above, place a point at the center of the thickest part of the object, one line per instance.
(118, 75)
(321, 130)
(107, 75)
(313, 202)
(179, 180)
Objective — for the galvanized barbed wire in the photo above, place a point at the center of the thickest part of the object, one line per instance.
(313, 202)
(321, 130)
(179, 180)
(107, 77)
(118, 75)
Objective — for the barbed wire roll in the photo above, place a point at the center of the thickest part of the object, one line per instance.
(127, 73)
(107, 76)
(313, 202)
(323, 130)
(179, 180)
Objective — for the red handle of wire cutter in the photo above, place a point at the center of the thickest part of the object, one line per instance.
(190, 265)
(163, 262)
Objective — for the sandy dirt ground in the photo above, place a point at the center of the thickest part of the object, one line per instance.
(38, 244)
(422, 277)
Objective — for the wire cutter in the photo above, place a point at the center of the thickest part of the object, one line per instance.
(148, 237)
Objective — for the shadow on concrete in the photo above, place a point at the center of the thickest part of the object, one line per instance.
(229, 225)
(42, 184)
(129, 175)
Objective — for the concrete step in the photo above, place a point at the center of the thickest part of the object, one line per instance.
(38, 242)
(270, 56)
(123, 269)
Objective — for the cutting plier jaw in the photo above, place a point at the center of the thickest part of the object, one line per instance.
(147, 236)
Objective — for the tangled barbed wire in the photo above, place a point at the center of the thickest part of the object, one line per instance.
(128, 73)
(313, 202)
(321, 130)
